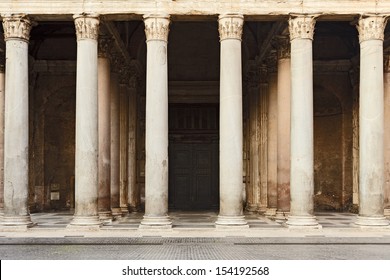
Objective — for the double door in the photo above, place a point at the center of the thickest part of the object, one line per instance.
(193, 176)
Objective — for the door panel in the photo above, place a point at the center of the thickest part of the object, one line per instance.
(193, 177)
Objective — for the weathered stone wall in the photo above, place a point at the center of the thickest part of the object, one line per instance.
(332, 142)
(53, 134)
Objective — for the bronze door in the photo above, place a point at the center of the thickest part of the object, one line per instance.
(193, 176)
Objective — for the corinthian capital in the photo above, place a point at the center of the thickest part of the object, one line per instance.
(16, 27)
(301, 27)
(230, 26)
(156, 27)
(283, 47)
(371, 28)
(87, 26)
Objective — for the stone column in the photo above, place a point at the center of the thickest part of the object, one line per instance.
(115, 138)
(86, 174)
(386, 80)
(371, 152)
(283, 128)
(104, 124)
(302, 147)
(2, 99)
(263, 138)
(16, 136)
(231, 139)
(253, 108)
(133, 198)
(156, 138)
(272, 143)
(123, 120)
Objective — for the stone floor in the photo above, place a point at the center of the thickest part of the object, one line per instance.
(192, 220)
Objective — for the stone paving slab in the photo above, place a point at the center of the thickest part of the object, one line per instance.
(194, 225)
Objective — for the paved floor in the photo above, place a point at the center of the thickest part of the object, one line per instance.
(195, 224)
(194, 236)
(195, 220)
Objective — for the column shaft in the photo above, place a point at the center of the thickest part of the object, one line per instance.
(2, 99)
(283, 129)
(156, 135)
(231, 133)
(263, 139)
(16, 135)
(371, 153)
(115, 149)
(86, 174)
(272, 141)
(123, 144)
(387, 134)
(104, 158)
(133, 193)
(302, 148)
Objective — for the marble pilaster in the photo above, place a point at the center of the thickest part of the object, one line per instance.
(16, 122)
(104, 124)
(371, 122)
(156, 135)
(302, 143)
(86, 150)
(231, 123)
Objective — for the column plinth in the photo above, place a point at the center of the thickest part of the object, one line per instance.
(302, 143)
(86, 154)
(371, 123)
(16, 127)
(156, 135)
(231, 127)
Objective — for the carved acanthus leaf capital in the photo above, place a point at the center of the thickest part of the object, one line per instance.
(283, 47)
(263, 74)
(230, 27)
(156, 27)
(302, 27)
(272, 61)
(371, 28)
(104, 46)
(87, 27)
(386, 62)
(16, 27)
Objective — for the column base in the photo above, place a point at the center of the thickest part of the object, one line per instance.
(124, 211)
(116, 212)
(365, 221)
(156, 222)
(251, 208)
(302, 222)
(16, 223)
(271, 212)
(231, 222)
(84, 223)
(281, 215)
(387, 212)
(261, 210)
(105, 217)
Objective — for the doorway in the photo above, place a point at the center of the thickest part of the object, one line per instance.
(193, 157)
